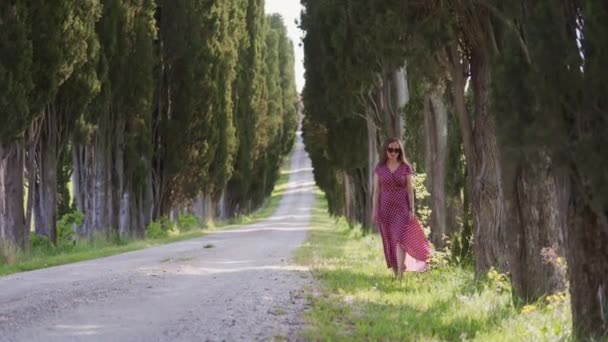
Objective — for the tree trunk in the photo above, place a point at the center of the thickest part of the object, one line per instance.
(535, 220)
(388, 99)
(12, 217)
(587, 245)
(402, 96)
(232, 200)
(78, 186)
(350, 201)
(93, 184)
(147, 204)
(490, 249)
(435, 123)
(204, 208)
(3, 235)
(45, 179)
(101, 180)
(125, 220)
(372, 153)
(121, 183)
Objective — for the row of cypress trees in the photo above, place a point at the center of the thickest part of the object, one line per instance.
(506, 115)
(140, 109)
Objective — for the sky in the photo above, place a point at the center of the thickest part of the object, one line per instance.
(290, 10)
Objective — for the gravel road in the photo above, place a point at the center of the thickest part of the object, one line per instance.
(244, 287)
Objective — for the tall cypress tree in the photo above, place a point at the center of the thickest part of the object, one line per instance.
(269, 124)
(199, 57)
(288, 86)
(65, 48)
(15, 114)
(250, 106)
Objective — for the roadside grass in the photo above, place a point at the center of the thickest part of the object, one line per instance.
(48, 256)
(358, 300)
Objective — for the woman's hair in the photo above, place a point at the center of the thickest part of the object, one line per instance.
(400, 157)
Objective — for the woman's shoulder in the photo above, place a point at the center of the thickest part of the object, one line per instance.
(378, 168)
(407, 168)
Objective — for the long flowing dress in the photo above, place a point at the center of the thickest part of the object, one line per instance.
(396, 225)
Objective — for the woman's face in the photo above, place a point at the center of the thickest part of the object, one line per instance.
(392, 152)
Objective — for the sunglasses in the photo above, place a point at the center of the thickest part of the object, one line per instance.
(393, 150)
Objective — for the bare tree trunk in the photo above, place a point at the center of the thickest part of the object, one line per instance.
(362, 194)
(388, 102)
(435, 123)
(481, 153)
(125, 221)
(101, 180)
(147, 203)
(30, 168)
(209, 205)
(12, 217)
(490, 249)
(144, 205)
(587, 245)
(402, 96)
(350, 207)
(93, 184)
(233, 201)
(223, 204)
(45, 175)
(372, 153)
(121, 185)
(3, 233)
(203, 208)
(535, 220)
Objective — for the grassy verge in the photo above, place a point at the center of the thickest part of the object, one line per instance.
(359, 300)
(97, 248)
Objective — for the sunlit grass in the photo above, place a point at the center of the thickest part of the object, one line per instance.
(359, 300)
(102, 247)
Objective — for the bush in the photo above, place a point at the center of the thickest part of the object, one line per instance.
(187, 222)
(40, 242)
(160, 228)
(459, 248)
(66, 235)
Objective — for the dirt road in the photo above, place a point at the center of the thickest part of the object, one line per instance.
(244, 287)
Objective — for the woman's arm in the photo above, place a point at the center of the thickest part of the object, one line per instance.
(410, 190)
(375, 199)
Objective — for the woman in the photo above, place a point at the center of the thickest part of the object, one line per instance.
(405, 246)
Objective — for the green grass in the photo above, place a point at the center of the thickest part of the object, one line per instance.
(101, 247)
(358, 300)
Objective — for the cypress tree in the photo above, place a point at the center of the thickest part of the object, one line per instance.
(288, 89)
(199, 57)
(250, 106)
(16, 115)
(65, 48)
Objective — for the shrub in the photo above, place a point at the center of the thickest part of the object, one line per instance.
(160, 228)
(40, 242)
(187, 222)
(66, 235)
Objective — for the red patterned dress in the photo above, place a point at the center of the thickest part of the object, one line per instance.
(395, 223)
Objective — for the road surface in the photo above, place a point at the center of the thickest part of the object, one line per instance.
(244, 287)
